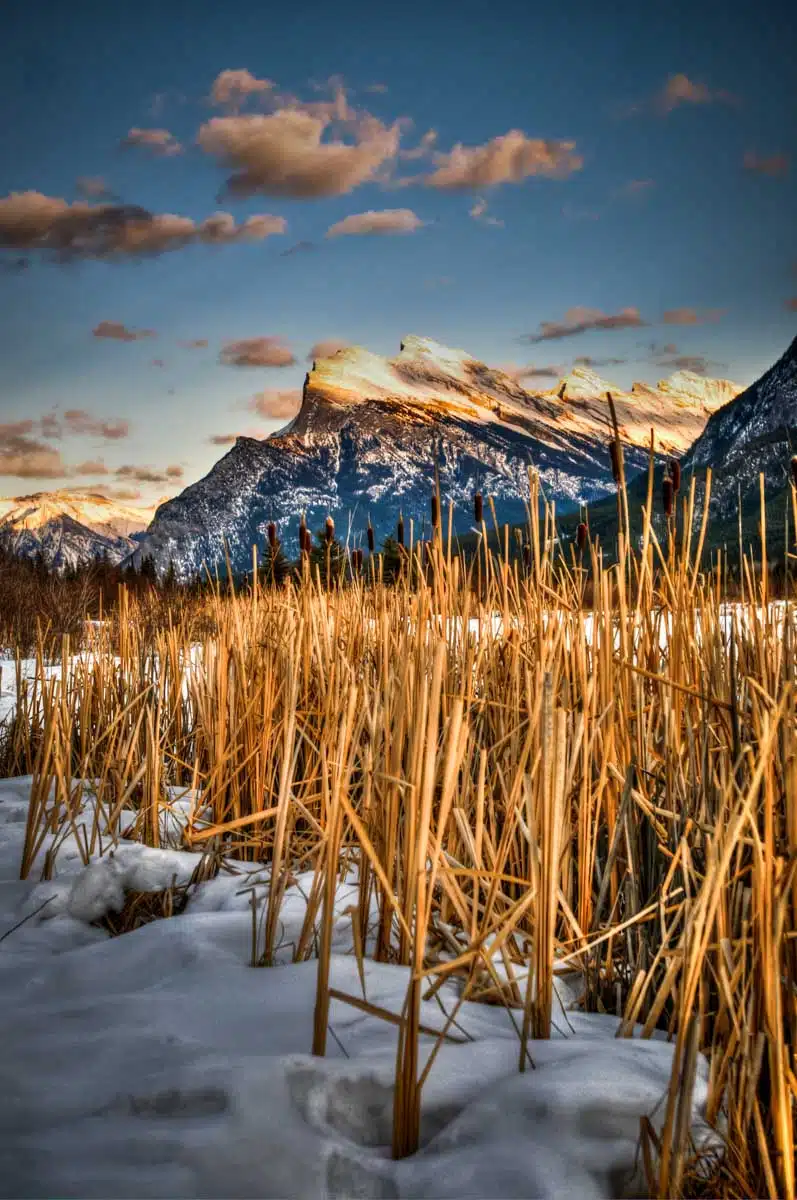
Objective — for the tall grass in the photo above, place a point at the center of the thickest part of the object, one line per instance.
(538, 763)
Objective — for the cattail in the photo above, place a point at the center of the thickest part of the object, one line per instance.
(400, 531)
(794, 470)
(356, 559)
(675, 472)
(371, 540)
(304, 537)
(329, 530)
(616, 454)
(581, 537)
(668, 493)
(435, 510)
(478, 508)
(527, 556)
(272, 535)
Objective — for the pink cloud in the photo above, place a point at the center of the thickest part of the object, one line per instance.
(257, 352)
(389, 220)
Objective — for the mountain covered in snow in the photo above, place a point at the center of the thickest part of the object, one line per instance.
(370, 429)
(756, 433)
(67, 528)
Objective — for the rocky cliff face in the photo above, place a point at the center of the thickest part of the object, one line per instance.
(68, 528)
(755, 433)
(369, 430)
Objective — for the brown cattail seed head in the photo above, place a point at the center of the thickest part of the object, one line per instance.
(400, 531)
(527, 556)
(616, 454)
(329, 529)
(794, 470)
(371, 541)
(272, 535)
(478, 508)
(667, 496)
(435, 510)
(675, 472)
(581, 537)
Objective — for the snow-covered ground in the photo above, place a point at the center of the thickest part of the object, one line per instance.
(159, 1063)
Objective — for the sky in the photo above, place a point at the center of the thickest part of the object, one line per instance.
(609, 183)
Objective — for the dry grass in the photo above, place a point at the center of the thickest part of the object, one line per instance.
(572, 789)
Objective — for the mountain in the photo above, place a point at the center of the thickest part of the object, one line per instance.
(369, 428)
(70, 527)
(755, 433)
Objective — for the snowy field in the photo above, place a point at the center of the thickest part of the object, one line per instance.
(161, 1064)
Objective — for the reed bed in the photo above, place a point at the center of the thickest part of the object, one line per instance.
(536, 763)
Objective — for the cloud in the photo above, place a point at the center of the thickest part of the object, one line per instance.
(298, 248)
(223, 439)
(282, 153)
(326, 349)
(272, 404)
(594, 364)
(194, 344)
(157, 362)
(423, 148)
(232, 87)
(581, 320)
(25, 457)
(388, 220)
(257, 352)
(91, 467)
(509, 158)
(791, 304)
(773, 165)
(116, 331)
(691, 316)
(532, 371)
(679, 89)
(79, 423)
(91, 187)
(378, 88)
(32, 221)
(479, 213)
(696, 363)
(636, 187)
(656, 349)
(148, 475)
(158, 141)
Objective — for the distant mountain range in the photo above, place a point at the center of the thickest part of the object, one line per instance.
(755, 434)
(370, 429)
(68, 527)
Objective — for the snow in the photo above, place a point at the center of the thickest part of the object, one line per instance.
(159, 1063)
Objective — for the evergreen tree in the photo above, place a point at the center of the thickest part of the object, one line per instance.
(275, 568)
(393, 557)
(329, 559)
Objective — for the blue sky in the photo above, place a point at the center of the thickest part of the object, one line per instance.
(641, 202)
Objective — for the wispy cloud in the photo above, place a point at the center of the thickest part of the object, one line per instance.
(223, 439)
(194, 344)
(692, 316)
(680, 89)
(388, 220)
(144, 474)
(26, 457)
(257, 352)
(773, 165)
(231, 88)
(35, 222)
(157, 141)
(596, 364)
(92, 187)
(509, 158)
(479, 213)
(582, 320)
(118, 332)
(79, 423)
(298, 248)
(272, 404)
